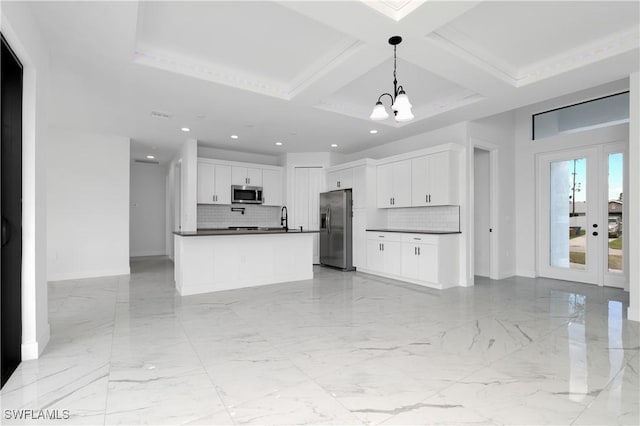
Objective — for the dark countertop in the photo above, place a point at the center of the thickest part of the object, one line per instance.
(226, 231)
(413, 231)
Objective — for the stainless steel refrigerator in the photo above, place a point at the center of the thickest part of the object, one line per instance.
(335, 229)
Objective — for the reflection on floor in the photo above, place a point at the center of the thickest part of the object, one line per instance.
(343, 348)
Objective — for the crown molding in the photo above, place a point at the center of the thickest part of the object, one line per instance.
(464, 47)
(396, 10)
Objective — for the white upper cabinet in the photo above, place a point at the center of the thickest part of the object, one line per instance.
(394, 184)
(222, 184)
(385, 185)
(246, 176)
(434, 180)
(271, 187)
(340, 179)
(206, 182)
(214, 183)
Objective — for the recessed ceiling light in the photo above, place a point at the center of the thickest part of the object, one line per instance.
(150, 157)
(185, 129)
(334, 145)
(234, 136)
(373, 131)
(279, 143)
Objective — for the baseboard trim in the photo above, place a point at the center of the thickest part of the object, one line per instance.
(633, 314)
(506, 274)
(526, 273)
(148, 253)
(33, 350)
(88, 274)
(436, 286)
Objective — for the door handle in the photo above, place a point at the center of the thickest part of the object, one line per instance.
(595, 225)
(5, 232)
(595, 233)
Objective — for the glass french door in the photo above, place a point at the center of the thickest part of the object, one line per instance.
(581, 215)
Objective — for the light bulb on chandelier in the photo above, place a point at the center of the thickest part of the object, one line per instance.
(400, 104)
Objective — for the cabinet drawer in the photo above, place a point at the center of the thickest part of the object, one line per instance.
(384, 236)
(420, 238)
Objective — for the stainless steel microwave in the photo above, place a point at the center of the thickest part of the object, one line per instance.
(246, 194)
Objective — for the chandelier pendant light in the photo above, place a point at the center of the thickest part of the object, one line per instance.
(400, 104)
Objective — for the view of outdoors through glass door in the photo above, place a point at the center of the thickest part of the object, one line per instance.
(583, 212)
(615, 211)
(568, 214)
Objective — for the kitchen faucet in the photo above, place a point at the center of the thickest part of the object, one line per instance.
(284, 217)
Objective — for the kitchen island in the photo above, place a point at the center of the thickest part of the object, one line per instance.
(225, 259)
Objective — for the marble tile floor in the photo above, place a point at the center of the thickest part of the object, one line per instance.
(343, 348)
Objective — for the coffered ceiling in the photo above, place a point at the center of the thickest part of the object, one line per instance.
(307, 73)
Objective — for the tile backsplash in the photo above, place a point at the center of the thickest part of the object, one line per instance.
(439, 218)
(214, 216)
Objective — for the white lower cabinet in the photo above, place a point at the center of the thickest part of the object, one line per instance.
(384, 253)
(420, 262)
(425, 259)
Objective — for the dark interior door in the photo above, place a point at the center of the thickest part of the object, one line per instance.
(11, 199)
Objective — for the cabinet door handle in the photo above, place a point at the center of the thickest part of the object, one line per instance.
(418, 251)
(382, 246)
(415, 251)
(426, 198)
(429, 197)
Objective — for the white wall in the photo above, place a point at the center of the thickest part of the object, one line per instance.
(481, 207)
(633, 311)
(525, 163)
(22, 34)
(147, 210)
(456, 133)
(87, 205)
(246, 157)
(189, 185)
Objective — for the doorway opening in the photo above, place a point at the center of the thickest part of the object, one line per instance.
(11, 194)
(482, 212)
